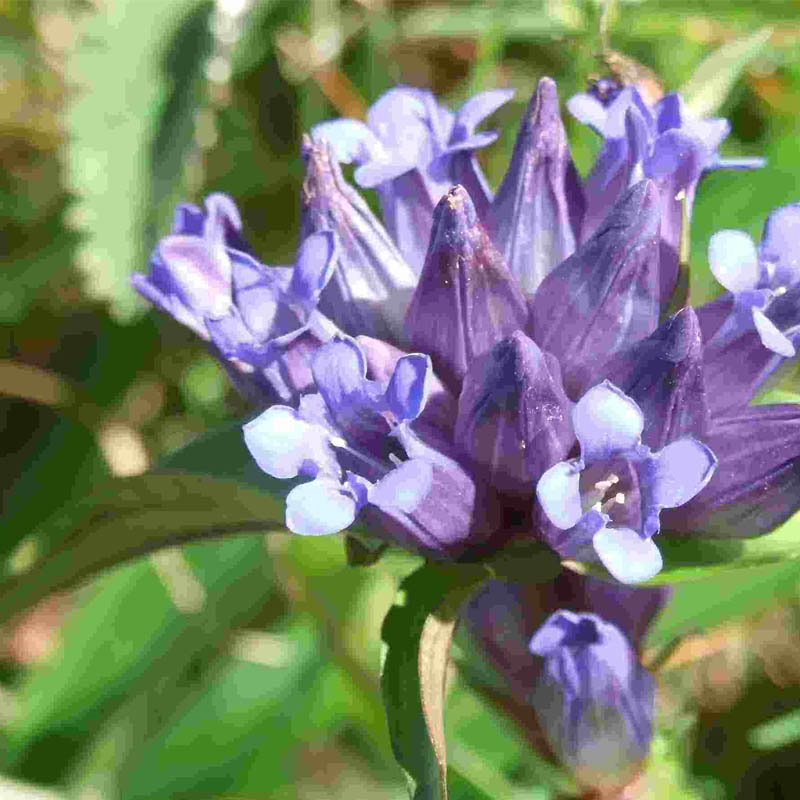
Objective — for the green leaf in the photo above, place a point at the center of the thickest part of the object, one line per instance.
(128, 517)
(123, 158)
(699, 605)
(709, 85)
(778, 732)
(149, 626)
(417, 633)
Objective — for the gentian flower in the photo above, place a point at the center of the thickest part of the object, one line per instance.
(593, 699)
(520, 380)
(261, 320)
(613, 494)
(664, 143)
(500, 621)
(755, 326)
(412, 150)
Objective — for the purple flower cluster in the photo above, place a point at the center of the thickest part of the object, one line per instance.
(494, 367)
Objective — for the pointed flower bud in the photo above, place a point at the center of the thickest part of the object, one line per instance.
(373, 284)
(613, 494)
(263, 321)
(466, 300)
(757, 485)
(412, 150)
(664, 375)
(593, 699)
(605, 296)
(536, 213)
(513, 416)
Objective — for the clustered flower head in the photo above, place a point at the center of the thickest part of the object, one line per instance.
(485, 368)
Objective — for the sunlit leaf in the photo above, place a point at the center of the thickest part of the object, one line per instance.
(123, 159)
(712, 80)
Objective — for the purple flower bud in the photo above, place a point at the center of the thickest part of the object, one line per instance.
(611, 496)
(664, 375)
(513, 416)
(757, 485)
(536, 213)
(412, 150)
(373, 284)
(466, 300)
(593, 699)
(604, 297)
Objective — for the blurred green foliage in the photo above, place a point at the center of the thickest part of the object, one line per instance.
(248, 667)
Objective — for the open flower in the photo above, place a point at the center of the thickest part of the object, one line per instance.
(262, 320)
(613, 494)
(755, 326)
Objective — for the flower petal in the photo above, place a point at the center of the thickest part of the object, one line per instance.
(734, 261)
(626, 555)
(319, 507)
(475, 111)
(780, 245)
(771, 337)
(350, 139)
(407, 391)
(607, 422)
(284, 446)
(674, 475)
(558, 492)
(314, 265)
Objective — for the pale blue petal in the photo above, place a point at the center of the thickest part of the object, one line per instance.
(285, 446)
(351, 140)
(733, 259)
(408, 388)
(319, 508)
(771, 337)
(677, 473)
(607, 422)
(558, 491)
(628, 557)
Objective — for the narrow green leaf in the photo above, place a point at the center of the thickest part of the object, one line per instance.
(124, 158)
(417, 633)
(128, 517)
(709, 85)
(776, 733)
